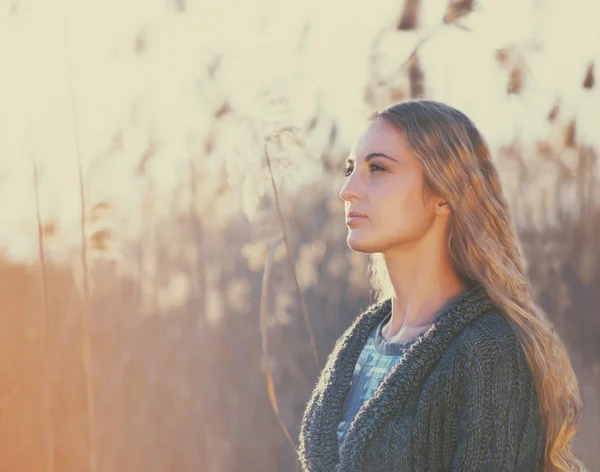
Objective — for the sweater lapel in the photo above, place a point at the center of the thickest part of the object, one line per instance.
(318, 435)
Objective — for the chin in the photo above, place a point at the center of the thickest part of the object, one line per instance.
(358, 244)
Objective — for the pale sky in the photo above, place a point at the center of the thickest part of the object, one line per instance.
(313, 53)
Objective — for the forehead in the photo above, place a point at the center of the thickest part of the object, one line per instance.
(378, 136)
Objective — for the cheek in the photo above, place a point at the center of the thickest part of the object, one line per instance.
(403, 203)
(404, 217)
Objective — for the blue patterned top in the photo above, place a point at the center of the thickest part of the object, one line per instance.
(376, 359)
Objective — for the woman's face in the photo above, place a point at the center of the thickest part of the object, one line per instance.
(390, 191)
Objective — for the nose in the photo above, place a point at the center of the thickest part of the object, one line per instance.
(354, 186)
(348, 190)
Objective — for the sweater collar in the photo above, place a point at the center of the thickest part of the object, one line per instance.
(394, 390)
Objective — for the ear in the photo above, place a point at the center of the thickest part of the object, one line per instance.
(442, 207)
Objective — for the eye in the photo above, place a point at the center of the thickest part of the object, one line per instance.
(373, 167)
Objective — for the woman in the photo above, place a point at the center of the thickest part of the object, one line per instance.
(454, 368)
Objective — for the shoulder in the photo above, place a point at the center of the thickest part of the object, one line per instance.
(489, 332)
(490, 343)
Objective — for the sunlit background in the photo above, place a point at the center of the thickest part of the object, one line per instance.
(137, 207)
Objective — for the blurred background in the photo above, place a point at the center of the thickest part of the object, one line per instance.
(137, 207)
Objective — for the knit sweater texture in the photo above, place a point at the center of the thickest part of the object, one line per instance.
(461, 399)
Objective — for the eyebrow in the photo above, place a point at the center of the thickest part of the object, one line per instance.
(372, 155)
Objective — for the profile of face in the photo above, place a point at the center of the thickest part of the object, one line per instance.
(385, 182)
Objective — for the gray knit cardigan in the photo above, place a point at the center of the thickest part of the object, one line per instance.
(461, 399)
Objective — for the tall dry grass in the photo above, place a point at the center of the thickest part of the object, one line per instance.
(156, 350)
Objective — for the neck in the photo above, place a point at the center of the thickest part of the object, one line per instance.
(424, 280)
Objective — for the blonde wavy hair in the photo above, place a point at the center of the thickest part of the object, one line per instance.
(457, 166)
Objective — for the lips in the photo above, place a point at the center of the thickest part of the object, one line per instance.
(354, 216)
(355, 213)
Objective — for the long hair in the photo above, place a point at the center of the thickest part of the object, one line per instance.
(484, 248)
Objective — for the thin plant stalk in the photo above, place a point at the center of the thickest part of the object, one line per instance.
(264, 308)
(49, 456)
(85, 336)
(290, 258)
